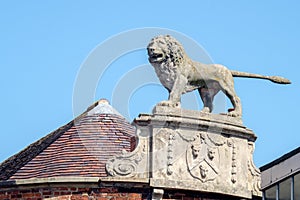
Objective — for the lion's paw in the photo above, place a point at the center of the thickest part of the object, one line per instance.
(205, 110)
(234, 113)
(169, 104)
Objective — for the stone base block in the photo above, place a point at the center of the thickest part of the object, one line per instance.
(191, 150)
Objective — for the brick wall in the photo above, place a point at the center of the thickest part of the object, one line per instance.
(69, 193)
(87, 193)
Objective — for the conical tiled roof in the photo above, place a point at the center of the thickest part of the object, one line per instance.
(79, 148)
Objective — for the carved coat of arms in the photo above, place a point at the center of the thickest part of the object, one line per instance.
(202, 159)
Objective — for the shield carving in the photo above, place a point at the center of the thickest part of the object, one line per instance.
(202, 160)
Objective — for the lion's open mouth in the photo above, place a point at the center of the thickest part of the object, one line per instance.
(156, 57)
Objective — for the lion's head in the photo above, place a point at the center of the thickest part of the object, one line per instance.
(165, 49)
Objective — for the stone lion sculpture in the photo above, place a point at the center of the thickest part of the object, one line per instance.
(179, 74)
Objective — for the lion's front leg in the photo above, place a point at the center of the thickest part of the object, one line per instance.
(176, 92)
(178, 88)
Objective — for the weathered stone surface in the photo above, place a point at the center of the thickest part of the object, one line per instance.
(180, 74)
(183, 149)
(132, 166)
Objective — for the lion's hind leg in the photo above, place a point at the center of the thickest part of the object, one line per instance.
(236, 102)
(207, 95)
(227, 87)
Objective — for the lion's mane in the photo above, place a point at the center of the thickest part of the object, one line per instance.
(173, 57)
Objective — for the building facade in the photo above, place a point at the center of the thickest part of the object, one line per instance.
(169, 154)
(281, 178)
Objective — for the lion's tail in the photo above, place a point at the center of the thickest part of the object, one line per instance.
(274, 79)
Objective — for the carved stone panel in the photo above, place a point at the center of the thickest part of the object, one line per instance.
(203, 160)
(132, 165)
(200, 155)
(190, 151)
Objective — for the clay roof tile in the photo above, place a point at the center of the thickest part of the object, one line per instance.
(79, 148)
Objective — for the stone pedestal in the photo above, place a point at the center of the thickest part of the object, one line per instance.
(190, 150)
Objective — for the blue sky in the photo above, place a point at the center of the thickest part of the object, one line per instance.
(45, 44)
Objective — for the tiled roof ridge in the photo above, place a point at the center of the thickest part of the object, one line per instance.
(103, 107)
(15, 162)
